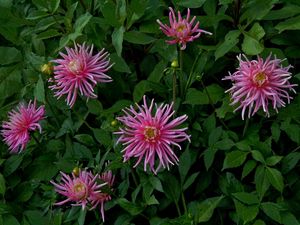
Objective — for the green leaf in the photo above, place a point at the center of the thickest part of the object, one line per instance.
(257, 9)
(94, 106)
(117, 106)
(275, 178)
(258, 156)
(246, 213)
(48, 34)
(2, 185)
(137, 37)
(289, 219)
(248, 167)
(12, 163)
(234, 159)
(81, 218)
(289, 24)
(82, 21)
(108, 10)
(10, 220)
(120, 64)
(259, 222)
(209, 155)
(35, 217)
(275, 129)
(103, 137)
(246, 198)
(214, 136)
(290, 161)
(140, 89)
(272, 210)
(39, 91)
(117, 39)
(171, 187)
(190, 3)
(251, 44)
(225, 144)
(9, 55)
(85, 139)
(283, 13)
(190, 180)
(185, 163)
(231, 39)
(195, 97)
(261, 181)
(204, 210)
(130, 207)
(273, 160)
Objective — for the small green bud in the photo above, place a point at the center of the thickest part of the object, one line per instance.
(174, 64)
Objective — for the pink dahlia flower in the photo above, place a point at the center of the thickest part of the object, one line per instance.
(77, 188)
(25, 119)
(182, 30)
(80, 70)
(147, 136)
(257, 83)
(99, 198)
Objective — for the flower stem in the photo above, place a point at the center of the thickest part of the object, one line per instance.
(174, 88)
(246, 127)
(177, 208)
(183, 203)
(181, 72)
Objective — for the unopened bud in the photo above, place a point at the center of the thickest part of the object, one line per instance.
(47, 68)
(114, 123)
(174, 64)
(76, 171)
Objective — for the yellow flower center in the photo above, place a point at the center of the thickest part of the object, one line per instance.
(150, 133)
(260, 78)
(74, 66)
(80, 190)
(180, 28)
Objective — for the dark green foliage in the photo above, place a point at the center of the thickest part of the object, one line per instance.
(232, 172)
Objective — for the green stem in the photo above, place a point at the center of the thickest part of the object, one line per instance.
(181, 72)
(183, 203)
(133, 176)
(188, 83)
(246, 127)
(174, 88)
(177, 208)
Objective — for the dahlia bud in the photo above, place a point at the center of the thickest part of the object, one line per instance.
(174, 64)
(47, 68)
(76, 171)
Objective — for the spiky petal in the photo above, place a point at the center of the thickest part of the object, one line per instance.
(77, 188)
(16, 131)
(146, 135)
(258, 83)
(99, 198)
(181, 30)
(80, 70)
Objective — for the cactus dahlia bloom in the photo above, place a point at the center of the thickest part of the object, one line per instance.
(80, 70)
(99, 198)
(77, 188)
(146, 135)
(257, 83)
(21, 121)
(182, 30)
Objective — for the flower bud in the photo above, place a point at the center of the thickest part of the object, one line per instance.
(47, 68)
(114, 123)
(76, 171)
(174, 64)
